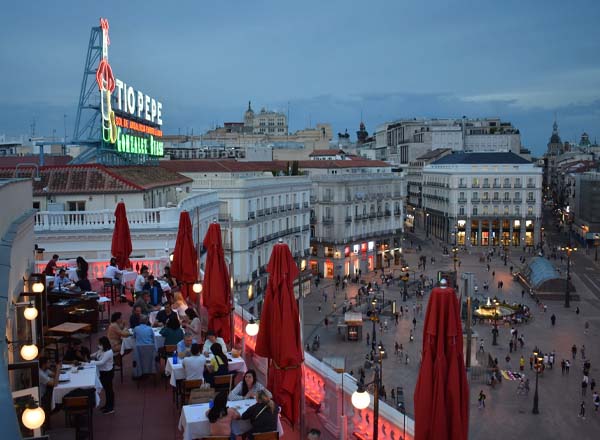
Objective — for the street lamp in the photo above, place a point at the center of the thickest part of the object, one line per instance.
(495, 329)
(538, 365)
(361, 399)
(568, 250)
(427, 225)
(374, 318)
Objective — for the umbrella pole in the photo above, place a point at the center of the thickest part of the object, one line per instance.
(231, 285)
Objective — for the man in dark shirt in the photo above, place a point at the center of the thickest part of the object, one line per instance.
(155, 289)
(76, 352)
(163, 316)
(49, 270)
(134, 319)
(143, 302)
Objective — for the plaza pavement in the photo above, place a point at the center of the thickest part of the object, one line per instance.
(507, 415)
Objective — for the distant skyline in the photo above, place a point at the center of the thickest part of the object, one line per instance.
(331, 61)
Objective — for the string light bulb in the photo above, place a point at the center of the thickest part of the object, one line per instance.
(33, 417)
(29, 352)
(30, 312)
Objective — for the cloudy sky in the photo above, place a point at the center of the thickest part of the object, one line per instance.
(523, 61)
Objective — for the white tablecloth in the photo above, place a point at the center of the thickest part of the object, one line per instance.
(86, 378)
(194, 423)
(176, 372)
(129, 343)
(128, 276)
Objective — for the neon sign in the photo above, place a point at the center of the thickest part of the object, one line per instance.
(131, 102)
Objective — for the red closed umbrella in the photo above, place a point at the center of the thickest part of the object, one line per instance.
(442, 392)
(216, 288)
(279, 333)
(120, 247)
(184, 266)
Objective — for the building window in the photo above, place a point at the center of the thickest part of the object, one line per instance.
(517, 210)
(507, 182)
(505, 209)
(486, 196)
(507, 196)
(496, 210)
(485, 210)
(474, 210)
(475, 182)
(530, 210)
(461, 210)
(76, 206)
(530, 195)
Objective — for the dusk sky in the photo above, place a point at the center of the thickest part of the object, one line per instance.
(521, 60)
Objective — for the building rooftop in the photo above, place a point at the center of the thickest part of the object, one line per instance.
(49, 160)
(327, 152)
(354, 163)
(221, 166)
(434, 153)
(96, 179)
(481, 159)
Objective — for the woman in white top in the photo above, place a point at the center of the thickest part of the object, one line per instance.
(194, 365)
(247, 388)
(104, 362)
(192, 323)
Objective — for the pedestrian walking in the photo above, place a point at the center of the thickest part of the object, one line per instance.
(411, 336)
(522, 363)
(507, 359)
(510, 345)
(368, 338)
(593, 385)
(562, 367)
(567, 365)
(586, 327)
(596, 400)
(415, 323)
(574, 351)
(481, 349)
(406, 359)
(584, 385)
(481, 399)
(553, 319)
(583, 352)
(531, 362)
(522, 294)
(396, 348)
(582, 410)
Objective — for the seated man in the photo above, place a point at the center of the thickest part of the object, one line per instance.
(163, 316)
(155, 290)
(48, 380)
(143, 302)
(62, 282)
(194, 365)
(184, 347)
(76, 352)
(135, 318)
(140, 280)
(143, 333)
(113, 272)
(211, 338)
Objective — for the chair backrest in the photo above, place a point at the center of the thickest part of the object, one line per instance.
(274, 435)
(216, 437)
(191, 384)
(75, 402)
(107, 280)
(169, 349)
(223, 382)
(145, 358)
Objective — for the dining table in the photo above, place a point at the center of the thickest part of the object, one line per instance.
(128, 343)
(194, 423)
(176, 371)
(84, 376)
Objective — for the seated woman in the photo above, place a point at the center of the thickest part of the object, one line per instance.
(172, 332)
(247, 388)
(179, 304)
(191, 323)
(169, 278)
(218, 366)
(220, 417)
(116, 331)
(263, 414)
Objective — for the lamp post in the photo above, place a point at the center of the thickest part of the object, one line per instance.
(536, 409)
(405, 278)
(374, 318)
(361, 399)
(495, 329)
(427, 224)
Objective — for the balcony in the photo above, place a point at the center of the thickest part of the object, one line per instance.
(379, 214)
(267, 211)
(518, 185)
(497, 185)
(506, 185)
(327, 199)
(305, 204)
(252, 244)
(251, 215)
(530, 200)
(462, 185)
(486, 185)
(327, 220)
(372, 215)
(532, 185)
(305, 228)
(296, 205)
(496, 200)
(475, 185)
(313, 220)
(396, 212)
(462, 200)
(348, 219)
(288, 206)
(518, 200)
(260, 212)
(388, 213)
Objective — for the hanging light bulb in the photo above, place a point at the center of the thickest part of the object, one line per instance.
(37, 287)
(33, 417)
(171, 258)
(30, 312)
(231, 283)
(252, 328)
(197, 287)
(29, 352)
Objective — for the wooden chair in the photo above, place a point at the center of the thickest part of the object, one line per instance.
(188, 386)
(198, 395)
(108, 289)
(75, 409)
(274, 435)
(118, 364)
(224, 382)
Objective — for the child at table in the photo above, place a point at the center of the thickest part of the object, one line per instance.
(220, 416)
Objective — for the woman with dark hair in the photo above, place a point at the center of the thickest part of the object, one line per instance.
(104, 363)
(263, 414)
(192, 323)
(172, 332)
(220, 417)
(247, 388)
(116, 331)
(218, 365)
(82, 267)
(82, 282)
